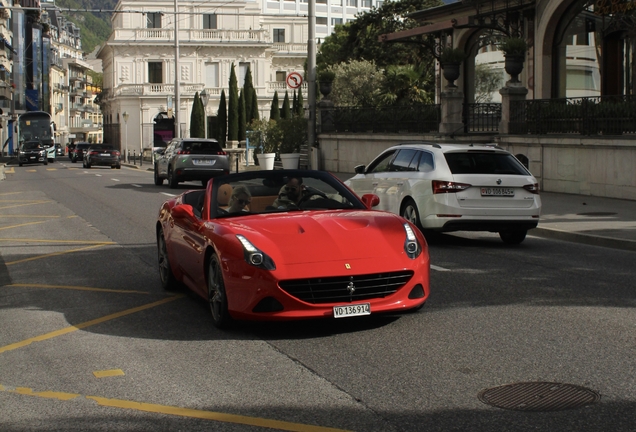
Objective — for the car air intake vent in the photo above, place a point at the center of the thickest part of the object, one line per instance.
(346, 288)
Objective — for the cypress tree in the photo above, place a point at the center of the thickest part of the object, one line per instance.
(222, 119)
(241, 117)
(300, 109)
(286, 114)
(294, 102)
(255, 114)
(233, 108)
(197, 127)
(247, 91)
(274, 112)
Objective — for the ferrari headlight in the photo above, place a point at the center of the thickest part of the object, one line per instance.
(255, 256)
(411, 245)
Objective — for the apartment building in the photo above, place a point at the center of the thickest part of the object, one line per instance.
(6, 67)
(268, 37)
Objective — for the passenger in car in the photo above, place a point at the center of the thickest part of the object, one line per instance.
(291, 194)
(240, 199)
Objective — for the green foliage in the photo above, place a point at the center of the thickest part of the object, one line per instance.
(197, 118)
(222, 119)
(294, 103)
(95, 27)
(359, 39)
(326, 75)
(282, 136)
(233, 108)
(514, 47)
(274, 112)
(487, 82)
(452, 56)
(259, 136)
(255, 114)
(356, 83)
(248, 86)
(286, 113)
(405, 85)
(300, 109)
(241, 117)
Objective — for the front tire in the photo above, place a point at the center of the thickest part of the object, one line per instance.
(168, 280)
(172, 179)
(158, 180)
(217, 297)
(410, 212)
(513, 236)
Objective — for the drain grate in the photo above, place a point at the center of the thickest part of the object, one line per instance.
(597, 214)
(538, 396)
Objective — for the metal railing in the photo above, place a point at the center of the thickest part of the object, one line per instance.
(392, 119)
(601, 115)
(482, 117)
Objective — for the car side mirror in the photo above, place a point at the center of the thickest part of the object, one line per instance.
(370, 200)
(359, 169)
(183, 211)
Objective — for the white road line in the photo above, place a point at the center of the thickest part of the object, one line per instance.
(166, 193)
(115, 179)
(98, 175)
(442, 269)
(135, 185)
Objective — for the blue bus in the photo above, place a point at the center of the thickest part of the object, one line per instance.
(37, 126)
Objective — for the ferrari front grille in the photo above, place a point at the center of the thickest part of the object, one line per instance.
(346, 288)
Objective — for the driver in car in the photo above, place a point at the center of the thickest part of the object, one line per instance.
(292, 194)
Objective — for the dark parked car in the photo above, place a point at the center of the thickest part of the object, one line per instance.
(78, 151)
(187, 159)
(102, 155)
(32, 152)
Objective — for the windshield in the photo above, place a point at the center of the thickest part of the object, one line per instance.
(484, 163)
(31, 146)
(279, 191)
(32, 127)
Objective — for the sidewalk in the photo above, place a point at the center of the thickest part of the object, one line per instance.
(606, 222)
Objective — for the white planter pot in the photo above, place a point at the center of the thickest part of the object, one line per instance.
(290, 160)
(266, 160)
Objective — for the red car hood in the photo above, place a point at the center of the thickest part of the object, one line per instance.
(306, 237)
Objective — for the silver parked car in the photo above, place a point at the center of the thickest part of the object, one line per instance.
(187, 159)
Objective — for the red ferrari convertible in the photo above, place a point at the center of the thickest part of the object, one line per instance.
(290, 244)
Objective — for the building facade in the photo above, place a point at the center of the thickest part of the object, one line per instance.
(269, 38)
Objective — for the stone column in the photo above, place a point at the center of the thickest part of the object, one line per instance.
(511, 92)
(452, 106)
(325, 116)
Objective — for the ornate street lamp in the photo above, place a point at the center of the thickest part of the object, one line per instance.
(125, 115)
(204, 100)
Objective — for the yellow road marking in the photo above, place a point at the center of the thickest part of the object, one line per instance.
(57, 241)
(29, 216)
(24, 224)
(9, 171)
(22, 200)
(24, 205)
(86, 324)
(31, 170)
(177, 411)
(109, 373)
(79, 288)
(55, 254)
(10, 193)
(51, 169)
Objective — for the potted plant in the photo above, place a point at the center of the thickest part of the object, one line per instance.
(450, 59)
(325, 78)
(514, 49)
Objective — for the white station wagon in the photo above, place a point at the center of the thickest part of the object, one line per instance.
(454, 187)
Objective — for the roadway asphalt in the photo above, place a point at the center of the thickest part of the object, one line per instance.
(606, 222)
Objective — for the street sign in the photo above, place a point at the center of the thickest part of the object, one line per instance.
(294, 80)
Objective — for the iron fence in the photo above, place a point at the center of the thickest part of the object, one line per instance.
(394, 119)
(482, 117)
(601, 115)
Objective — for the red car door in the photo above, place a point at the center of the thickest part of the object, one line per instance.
(189, 244)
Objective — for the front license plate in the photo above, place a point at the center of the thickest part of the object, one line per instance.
(497, 192)
(203, 162)
(352, 310)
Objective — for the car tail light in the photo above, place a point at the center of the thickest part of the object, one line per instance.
(532, 188)
(183, 152)
(115, 153)
(441, 186)
(93, 152)
(222, 153)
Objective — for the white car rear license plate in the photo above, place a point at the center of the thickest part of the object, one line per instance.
(497, 192)
(203, 161)
(105, 154)
(352, 310)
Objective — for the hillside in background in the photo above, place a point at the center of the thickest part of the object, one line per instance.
(94, 26)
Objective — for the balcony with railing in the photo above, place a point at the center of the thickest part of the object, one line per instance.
(156, 89)
(150, 35)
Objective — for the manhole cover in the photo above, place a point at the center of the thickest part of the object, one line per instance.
(596, 214)
(538, 396)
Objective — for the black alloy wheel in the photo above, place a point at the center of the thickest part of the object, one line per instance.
(158, 180)
(216, 295)
(168, 281)
(410, 213)
(513, 236)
